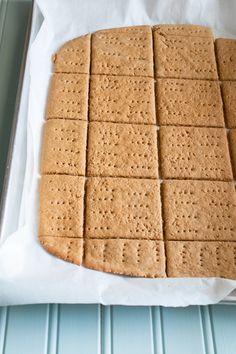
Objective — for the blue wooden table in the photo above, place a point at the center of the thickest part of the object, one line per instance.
(94, 329)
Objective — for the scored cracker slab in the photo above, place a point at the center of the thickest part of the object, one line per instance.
(122, 150)
(61, 206)
(201, 259)
(199, 210)
(73, 56)
(232, 146)
(64, 148)
(144, 258)
(122, 99)
(226, 58)
(194, 153)
(183, 30)
(68, 96)
(229, 99)
(184, 57)
(123, 51)
(123, 208)
(66, 248)
(189, 102)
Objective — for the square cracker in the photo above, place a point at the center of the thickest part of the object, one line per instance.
(195, 153)
(123, 208)
(226, 58)
(64, 147)
(61, 206)
(183, 30)
(232, 146)
(123, 51)
(122, 99)
(143, 258)
(68, 96)
(183, 57)
(122, 150)
(199, 210)
(189, 102)
(73, 56)
(229, 99)
(201, 259)
(68, 249)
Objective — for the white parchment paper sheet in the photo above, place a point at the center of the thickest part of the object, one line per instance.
(28, 274)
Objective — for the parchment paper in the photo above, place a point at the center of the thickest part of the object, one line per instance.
(28, 274)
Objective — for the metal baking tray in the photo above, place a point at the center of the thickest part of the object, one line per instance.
(15, 169)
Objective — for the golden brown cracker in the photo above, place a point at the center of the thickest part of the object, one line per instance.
(68, 96)
(123, 51)
(201, 259)
(73, 56)
(183, 57)
(61, 206)
(140, 258)
(226, 58)
(189, 102)
(229, 99)
(195, 153)
(68, 249)
(64, 147)
(199, 210)
(123, 208)
(122, 150)
(122, 99)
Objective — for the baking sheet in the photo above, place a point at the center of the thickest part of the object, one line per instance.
(28, 274)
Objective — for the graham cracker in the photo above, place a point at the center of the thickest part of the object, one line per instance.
(199, 210)
(123, 208)
(68, 249)
(201, 259)
(122, 99)
(61, 206)
(183, 30)
(232, 146)
(68, 96)
(64, 147)
(73, 56)
(122, 150)
(195, 153)
(189, 102)
(183, 57)
(226, 58)
(127, 257)
(229, 94)
(123, 51)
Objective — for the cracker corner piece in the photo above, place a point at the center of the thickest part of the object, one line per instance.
(201, 259)
(226, 58)
(232, 146)
(73, 56)
(64, 147)
(127, 208)
(228, 95)
(123, 51)
(61, 206)
(68, 249)
(183, 30)
(199, 210)
(140, 258)
(194, 57)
